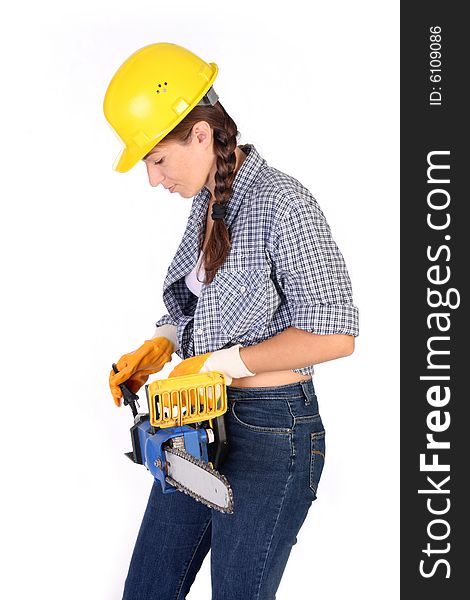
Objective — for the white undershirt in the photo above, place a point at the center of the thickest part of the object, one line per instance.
(191, 278)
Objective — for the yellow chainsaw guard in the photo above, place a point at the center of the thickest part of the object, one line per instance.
(187, 399)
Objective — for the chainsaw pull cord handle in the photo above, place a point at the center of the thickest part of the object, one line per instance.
(129, 397)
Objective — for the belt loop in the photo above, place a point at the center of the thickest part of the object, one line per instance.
(307, 399)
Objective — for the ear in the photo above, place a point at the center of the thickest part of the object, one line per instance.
(202, 132)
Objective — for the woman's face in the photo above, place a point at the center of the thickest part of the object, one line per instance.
(183, 168)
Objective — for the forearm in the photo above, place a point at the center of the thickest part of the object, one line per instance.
(294, 349)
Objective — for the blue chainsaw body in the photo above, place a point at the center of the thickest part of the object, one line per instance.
(148, 443)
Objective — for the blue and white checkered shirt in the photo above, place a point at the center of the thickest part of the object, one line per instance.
(283, 269)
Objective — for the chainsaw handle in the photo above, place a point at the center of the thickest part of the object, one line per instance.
(129, 397)
(219, 449)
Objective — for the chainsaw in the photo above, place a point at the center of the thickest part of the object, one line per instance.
(182, 439)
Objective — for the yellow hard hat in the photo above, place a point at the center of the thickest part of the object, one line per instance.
(150, 93)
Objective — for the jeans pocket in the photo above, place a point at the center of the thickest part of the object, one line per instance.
(317, 459)
(264, 416)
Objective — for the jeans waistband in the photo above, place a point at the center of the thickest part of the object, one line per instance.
(287, 390)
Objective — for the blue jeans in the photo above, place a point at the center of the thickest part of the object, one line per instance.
(274, 464)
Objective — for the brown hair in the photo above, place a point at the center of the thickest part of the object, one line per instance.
(225, 134)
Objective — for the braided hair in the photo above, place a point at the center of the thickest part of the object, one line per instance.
(225, 135)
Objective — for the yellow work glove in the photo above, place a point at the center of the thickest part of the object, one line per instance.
(135, 367)
(227, 361)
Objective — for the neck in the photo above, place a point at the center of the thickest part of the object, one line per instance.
(210, 185)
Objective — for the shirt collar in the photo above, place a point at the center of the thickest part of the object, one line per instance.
(244, 179)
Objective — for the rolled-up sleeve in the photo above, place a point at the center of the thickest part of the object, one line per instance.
(311, 272)
(165, 320)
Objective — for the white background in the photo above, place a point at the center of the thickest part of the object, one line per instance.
(85, 250)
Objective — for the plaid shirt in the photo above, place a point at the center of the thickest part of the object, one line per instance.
(283, 269)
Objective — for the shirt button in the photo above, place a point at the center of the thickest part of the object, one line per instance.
(242, 289)
(200, 331)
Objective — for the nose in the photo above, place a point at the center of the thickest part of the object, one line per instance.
(155, 175)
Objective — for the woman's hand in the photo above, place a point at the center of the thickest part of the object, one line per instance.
(135, 367)
(226, 361)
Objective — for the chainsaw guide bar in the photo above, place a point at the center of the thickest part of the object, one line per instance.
(214, 484)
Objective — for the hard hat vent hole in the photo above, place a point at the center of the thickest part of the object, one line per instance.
(160, 87)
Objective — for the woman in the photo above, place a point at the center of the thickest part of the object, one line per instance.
(257, 290)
